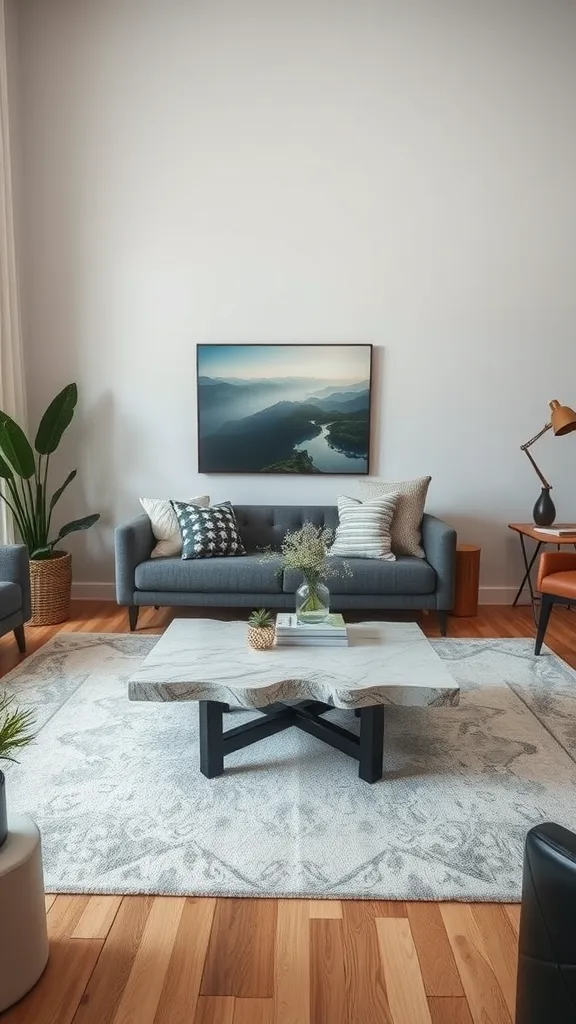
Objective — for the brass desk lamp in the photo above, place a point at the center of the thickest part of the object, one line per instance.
(562, 421)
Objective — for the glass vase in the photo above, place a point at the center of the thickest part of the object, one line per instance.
(312, 603)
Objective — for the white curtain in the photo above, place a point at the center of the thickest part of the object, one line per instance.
(12, 395)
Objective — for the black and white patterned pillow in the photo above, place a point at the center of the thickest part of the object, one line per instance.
(208, 532)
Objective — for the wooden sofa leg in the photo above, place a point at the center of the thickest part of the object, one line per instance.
(20, 639)
(443, 622)
(133, 611)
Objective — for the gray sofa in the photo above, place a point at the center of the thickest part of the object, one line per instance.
(14, 591)
(247, 581)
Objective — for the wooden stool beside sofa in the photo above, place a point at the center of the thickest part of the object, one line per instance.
(557, 585)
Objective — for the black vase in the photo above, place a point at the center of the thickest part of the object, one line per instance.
(544, 511)
(3, 815)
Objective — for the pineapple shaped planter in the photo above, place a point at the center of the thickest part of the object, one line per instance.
(260, 630)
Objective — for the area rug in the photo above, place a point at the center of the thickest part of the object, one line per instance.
(123, 808)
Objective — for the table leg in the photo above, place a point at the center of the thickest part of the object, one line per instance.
(528, 567)
(211, 738)
(371, 742)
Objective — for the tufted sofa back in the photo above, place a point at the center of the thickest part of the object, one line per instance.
(263, 526)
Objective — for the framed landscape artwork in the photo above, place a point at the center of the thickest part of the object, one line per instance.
(284, 408)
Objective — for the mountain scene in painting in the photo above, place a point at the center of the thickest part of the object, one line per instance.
(283, 408)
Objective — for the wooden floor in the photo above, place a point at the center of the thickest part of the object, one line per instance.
(169, 960)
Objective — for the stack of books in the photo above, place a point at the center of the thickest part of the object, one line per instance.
(291, 633)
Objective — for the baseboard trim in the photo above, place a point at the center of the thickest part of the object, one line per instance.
(93, 592)
(107, 592)
(500, 595)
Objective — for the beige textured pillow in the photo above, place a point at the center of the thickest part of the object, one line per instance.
(165, 524)
(406, 536)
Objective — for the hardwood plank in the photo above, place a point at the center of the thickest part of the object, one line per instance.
(513, 911)
(104, 990)
(501, 944)
(434, 951)
(214, 1010)
(54, 999)
(366, 1001)
(450, 1010)
(404, 984)
(141, 995)
(98, 917)
(292, 963)
(49, 899)
(385, 908)
(327, 983)
(325, 908)
(64, 915)
(253, 1011)
(240, 959)
(179, 996)
(485, 998)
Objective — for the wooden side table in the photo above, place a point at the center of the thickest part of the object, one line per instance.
(467, 580)
(524, 530)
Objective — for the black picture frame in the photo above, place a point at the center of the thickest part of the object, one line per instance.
(245, 425)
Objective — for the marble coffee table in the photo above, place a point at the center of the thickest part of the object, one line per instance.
(210, 662)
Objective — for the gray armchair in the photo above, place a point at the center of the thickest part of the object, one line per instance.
(14, 591)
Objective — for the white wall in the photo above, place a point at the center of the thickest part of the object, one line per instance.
(319, 170)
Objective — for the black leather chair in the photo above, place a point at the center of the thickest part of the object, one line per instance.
(546, 992)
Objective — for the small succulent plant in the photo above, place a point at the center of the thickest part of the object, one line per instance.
(260, 619)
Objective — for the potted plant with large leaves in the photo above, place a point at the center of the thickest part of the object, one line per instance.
(24, 472)
(15, 733)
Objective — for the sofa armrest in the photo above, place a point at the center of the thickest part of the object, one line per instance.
(439, 543)
(133, 543)
(14, 568)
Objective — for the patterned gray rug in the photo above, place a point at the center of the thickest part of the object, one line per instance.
(116, 790)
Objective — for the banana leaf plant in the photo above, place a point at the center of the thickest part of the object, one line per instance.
(24, 476)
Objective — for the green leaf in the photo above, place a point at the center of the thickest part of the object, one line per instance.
(58, 494)
(76, 524)
(5, 471)
(16, 448)
(15, 727)
(55, 420)
(40, 554)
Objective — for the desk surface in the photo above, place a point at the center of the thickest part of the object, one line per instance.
(529, 530)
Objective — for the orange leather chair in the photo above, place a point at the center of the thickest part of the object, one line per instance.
(557, 584)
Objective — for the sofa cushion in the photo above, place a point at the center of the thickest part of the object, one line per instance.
(406, 536)
(407, 575)
(265, 526)
(208, 532)
(10, 599)
(226, 575)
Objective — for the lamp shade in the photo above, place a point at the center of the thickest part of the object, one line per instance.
(562, 418)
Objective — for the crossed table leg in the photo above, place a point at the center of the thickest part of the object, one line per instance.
(367, 748)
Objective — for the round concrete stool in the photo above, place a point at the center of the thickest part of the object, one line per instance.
(23, 933)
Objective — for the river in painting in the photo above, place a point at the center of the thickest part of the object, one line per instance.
(330, 460)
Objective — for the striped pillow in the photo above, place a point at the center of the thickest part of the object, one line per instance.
(364, 527)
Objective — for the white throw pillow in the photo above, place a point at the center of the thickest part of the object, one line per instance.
(165, 524)
(364, 528)
(406, 535)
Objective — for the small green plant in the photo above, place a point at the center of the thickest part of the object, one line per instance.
(24, 472)
(15, 728)
(260, 619)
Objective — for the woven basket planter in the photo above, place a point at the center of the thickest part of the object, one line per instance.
(51, 586)
(261, 638)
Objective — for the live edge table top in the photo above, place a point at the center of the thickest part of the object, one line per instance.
(209, 660)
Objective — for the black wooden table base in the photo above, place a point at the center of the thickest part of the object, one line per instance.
(367, 748)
